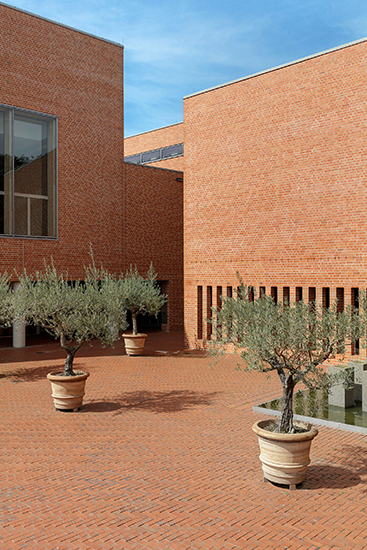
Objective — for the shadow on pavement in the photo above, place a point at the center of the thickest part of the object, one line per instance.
(157, 402)
(330, 477)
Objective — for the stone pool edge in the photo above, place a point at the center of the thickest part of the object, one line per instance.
(317, 421)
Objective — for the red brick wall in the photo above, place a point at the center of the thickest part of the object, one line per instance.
(275, 181)
(154, 230)
(48, 68)
(155, 139)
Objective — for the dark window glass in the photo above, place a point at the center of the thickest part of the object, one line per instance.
(149, 157)
(157, 154)
(172, 151)
(27, 174)
(135, 159)
(21, 216)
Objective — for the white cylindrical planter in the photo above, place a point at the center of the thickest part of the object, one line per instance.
(19, 338)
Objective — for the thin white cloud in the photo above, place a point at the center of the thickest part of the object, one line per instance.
(175, 48)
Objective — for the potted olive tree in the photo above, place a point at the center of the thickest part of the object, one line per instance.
(141, 296)
(6, 301)
(75, 313)
(294, 340)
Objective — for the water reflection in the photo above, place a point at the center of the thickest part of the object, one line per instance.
(314, 403)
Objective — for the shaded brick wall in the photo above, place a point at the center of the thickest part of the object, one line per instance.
(153, 230)
(48, 68)
(275, 184)
(155, 139)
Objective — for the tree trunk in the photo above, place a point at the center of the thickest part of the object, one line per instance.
(286, 420)
(71, 351)
(135, 323)
(68, 370)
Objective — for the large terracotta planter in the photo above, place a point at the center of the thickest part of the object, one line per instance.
(284, 457)
(134, 343)
(68, 391)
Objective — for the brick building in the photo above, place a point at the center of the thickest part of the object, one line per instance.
(162, 148)
(275, 185)
(274, 174)
(63, 183)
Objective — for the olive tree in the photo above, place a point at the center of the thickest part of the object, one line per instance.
(294, 340)
(6, 301)
(141, 295)
(73, 312)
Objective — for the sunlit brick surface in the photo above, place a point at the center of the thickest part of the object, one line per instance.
(51, 69)
(155, 139)
(161, 457)
(274, 180)
(153, 230)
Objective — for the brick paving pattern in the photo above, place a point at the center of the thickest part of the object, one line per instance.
(162, 456)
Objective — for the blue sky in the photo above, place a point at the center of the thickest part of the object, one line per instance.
(175, 48)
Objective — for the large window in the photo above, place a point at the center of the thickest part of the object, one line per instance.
(27, 173)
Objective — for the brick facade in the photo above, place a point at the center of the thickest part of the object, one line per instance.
(155, 139)
(275, 184)
(55, 70)
(129, 214)
(274, 174)
(153, 230)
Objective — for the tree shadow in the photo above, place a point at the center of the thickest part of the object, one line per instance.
(33, 374)
(326, 476)
(28, 375)
(153, 401)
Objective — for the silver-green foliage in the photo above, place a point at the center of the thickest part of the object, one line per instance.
(141, 295)
(74, 312)
(6, 301)
(293, 340)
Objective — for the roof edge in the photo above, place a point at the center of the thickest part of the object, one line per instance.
(62, 25)
(290, 63)
(154, 130)
(153, 167)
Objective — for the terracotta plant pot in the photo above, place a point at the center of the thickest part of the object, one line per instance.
(134, 343)
(68, 391)
(284, 457)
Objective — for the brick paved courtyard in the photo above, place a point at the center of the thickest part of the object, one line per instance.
(162, 456)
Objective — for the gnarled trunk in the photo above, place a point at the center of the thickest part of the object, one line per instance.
(71, 351)
(286, 419)
(68, 369)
